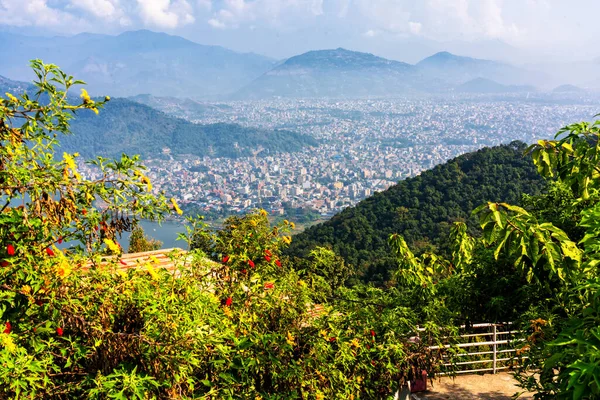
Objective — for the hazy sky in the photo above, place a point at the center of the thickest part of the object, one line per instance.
(402, 29)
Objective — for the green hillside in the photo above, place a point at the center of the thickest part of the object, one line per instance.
(422, 208)
(128, 127)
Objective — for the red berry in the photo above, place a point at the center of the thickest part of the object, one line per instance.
(278, 263)
(4, 263)
(251, 263)
(59, 331)
(244, 271)
(372, 333)
(268, 258)
(84, 212)
(269, 285)
(8, 328)
(225, 259)
(228, 302)
(59, 240)
(122, 262)
(332, 339)
(10, 249)
(268, 253)
(49, 252)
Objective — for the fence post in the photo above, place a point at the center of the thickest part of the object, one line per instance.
(495, 347)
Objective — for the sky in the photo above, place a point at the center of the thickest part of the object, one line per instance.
(406, 30)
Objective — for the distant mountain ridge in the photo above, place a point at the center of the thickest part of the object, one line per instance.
(136, 62)
(159, 64)
(345, 73)
(482, 85)
(331, 73)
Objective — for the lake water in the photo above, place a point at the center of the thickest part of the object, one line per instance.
(166, 232)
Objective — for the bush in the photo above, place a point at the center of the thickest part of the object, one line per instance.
(242, 325)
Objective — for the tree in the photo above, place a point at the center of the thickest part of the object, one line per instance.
(139, 242)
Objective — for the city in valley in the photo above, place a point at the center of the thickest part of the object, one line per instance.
(365, 146)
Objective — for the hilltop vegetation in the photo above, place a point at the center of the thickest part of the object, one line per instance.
(128, 127)
(422, 209)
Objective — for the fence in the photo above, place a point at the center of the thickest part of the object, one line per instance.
(497, 342)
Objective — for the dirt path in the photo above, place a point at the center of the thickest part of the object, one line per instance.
(501, 386)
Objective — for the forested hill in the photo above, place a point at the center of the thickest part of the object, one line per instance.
(124, 126)
(422, 208)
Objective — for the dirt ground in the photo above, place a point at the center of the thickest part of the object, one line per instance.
(501, 386)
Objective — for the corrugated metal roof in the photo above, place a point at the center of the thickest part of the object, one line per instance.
(164, 258)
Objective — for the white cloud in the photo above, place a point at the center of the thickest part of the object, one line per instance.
(166, 13)
(106, 9)
(35, 13)
(276, 13)
(414, 27)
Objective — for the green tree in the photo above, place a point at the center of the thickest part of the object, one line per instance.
(139, 242)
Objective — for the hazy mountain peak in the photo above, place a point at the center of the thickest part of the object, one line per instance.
(339, 58)
(444, 57)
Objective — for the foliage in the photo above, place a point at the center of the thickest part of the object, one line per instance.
(422, 209)
(563, 347)
(139, 242)
(80, 324)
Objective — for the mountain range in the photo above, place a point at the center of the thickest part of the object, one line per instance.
(164, 65)
(135, 62)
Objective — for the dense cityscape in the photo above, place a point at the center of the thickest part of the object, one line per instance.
(365, 146)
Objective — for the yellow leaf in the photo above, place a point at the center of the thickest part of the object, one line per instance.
(85, 96)
(112, 246)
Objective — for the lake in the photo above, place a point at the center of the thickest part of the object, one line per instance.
(166, 232)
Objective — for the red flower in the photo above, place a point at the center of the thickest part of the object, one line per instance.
(251, 263)
(8, 328)
(278, 263)
(228, 302)
(59, 331)
(10, 249)
(49, 252)
(269, 285)
(332, 339)
(225, 259)
(268, 253)
(372, 333)
(268, 258)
